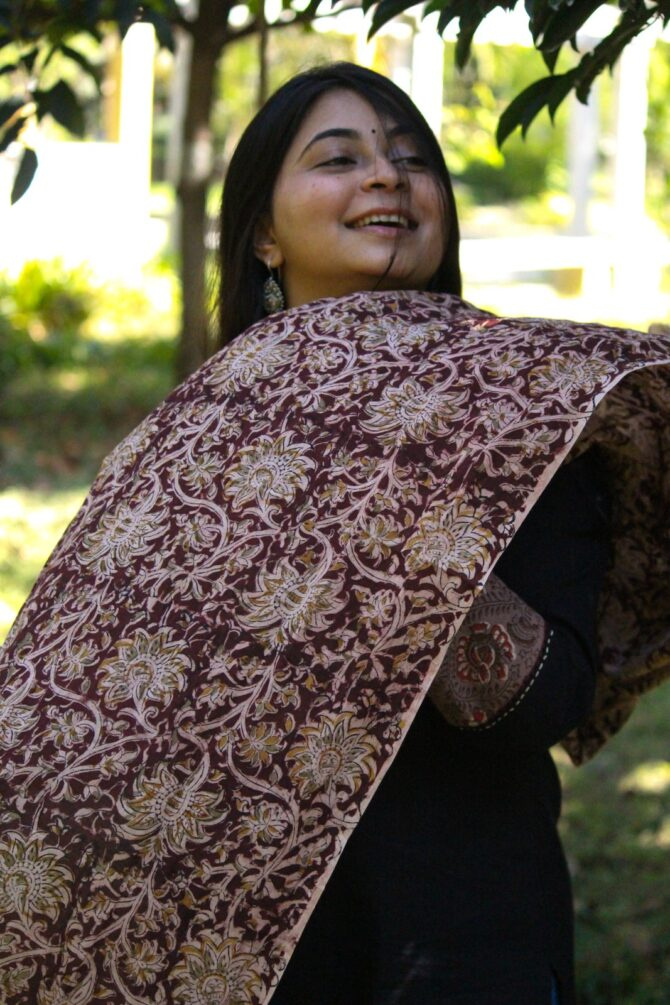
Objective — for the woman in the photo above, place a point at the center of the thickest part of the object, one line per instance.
(359, 175)
(222, 657)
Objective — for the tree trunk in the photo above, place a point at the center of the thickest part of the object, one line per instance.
(195, 175)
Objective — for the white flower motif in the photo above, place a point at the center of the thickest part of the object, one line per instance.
(271, 468)
(452, 539)
(289, 604)
(145, 668)
(167, 813)
(246, 361)
(216, 971)
(568, 374)
(414, 412)
(123, 535)
(14, 720)
(379, 536)
(33, 877)
(67, 727)
(398, 335)
(337, 753)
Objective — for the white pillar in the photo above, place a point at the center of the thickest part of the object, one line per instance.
(583, 133)
(634, 272)
(136, 113)
(428, 72)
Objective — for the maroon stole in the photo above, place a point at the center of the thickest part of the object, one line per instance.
(222, 655)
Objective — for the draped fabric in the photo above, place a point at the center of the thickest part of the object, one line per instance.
(222, 655)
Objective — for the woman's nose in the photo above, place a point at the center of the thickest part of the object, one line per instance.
(384, 174)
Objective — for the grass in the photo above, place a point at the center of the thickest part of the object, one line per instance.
(57, 424)
(616, 826)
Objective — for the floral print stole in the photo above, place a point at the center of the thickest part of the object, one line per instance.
(224, 651)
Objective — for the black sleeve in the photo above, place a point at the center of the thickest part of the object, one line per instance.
(556, 564)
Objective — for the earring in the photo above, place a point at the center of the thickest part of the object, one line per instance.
(273, 295)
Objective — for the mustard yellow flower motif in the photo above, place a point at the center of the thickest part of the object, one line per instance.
(143, 962)
(272, 468)
(216, 971)
(14, 981)
(379, 536)
(260, 746)
(264, 823)
(167, 813)
(128, 450)
(145, 668)
(497, 416)
(453, 540)
(33, 877)
(398, 336)
(67, 727)
(59, 992)
(568, 374)
(15, 719)
(127, 533)
(73, 661)
(200, 473)
(377, 608)
(338, 753)
(506, 364)
(413, 412)
(245, 362)
(290, 604)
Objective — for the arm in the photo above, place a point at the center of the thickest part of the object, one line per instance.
(521, 670)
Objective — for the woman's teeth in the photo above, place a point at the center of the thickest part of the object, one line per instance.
(386, 220)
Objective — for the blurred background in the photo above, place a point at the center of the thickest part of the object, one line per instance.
(99, 318)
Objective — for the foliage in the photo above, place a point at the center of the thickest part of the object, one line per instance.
(553, 24)
(475, 100)
(45, 308)
(657, 132)
(39, 36)
(52, 316)
(57, 422)
(36, 35)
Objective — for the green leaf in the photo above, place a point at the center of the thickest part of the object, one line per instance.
(12, 132)
(62, 104)
(8, 68)
(162, 27)
(9, 108)
(28, 59)
(564, 24)
(24, 175)
(539, 13)
(547, 92)
(386, 10)
(82, 61)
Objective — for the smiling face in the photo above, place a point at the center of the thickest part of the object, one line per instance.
(355, 206)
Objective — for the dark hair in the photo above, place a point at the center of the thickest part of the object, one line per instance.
(257, 161)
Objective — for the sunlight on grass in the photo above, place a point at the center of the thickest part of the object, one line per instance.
(652, 777)
(31, 522)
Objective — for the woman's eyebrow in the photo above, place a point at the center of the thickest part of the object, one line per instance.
(353, 134)
(349, 134)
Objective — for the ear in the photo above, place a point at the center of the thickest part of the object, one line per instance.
(266, 246)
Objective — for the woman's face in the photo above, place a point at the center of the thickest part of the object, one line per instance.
(354, 202)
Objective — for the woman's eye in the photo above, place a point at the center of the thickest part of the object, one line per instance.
(340, 161)
(410, 161)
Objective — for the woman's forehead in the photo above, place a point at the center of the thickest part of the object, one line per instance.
(346, 110)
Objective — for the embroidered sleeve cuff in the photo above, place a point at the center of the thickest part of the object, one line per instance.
(493, 659)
